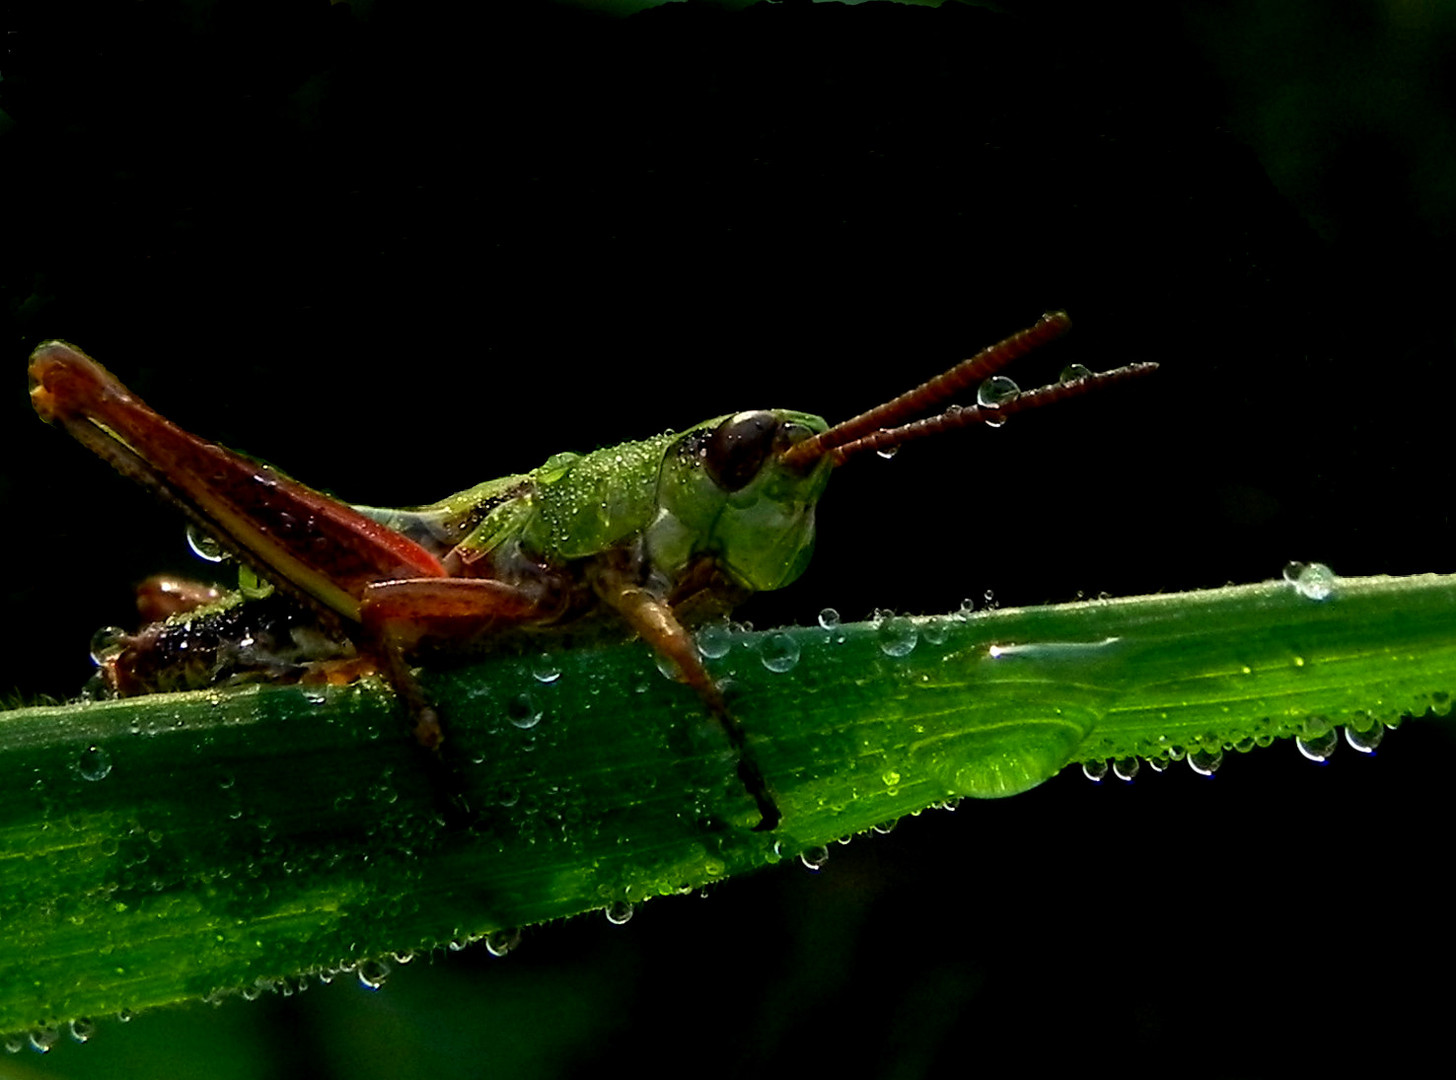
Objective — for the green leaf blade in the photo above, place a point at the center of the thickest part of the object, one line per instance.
(169, 848)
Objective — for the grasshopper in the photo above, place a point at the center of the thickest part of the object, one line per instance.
(653, 533)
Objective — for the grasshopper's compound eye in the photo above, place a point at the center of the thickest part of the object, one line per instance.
(738, 447)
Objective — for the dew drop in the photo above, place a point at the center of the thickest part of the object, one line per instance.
(829, 619)
(94, 763)
(545, 669)
(619, 912)
(887, 452)
(815, 857)
(890, 777)
(1125, 769)
(1094, 770)
(523, 711)
(1313, 581)
(372, 973)
(778, 652)
(1318, 746)
(1073, 372)
(204, 546)
(43, 1038)
(1365, 741)
(1205, 762)
(107, 643)
(82, 1028)
(714, 640)
(897, 635)
(997, 390)
(501, 942)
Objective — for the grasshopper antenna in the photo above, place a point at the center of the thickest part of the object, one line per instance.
(885, 427)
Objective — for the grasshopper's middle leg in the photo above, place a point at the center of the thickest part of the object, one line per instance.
(398, 614)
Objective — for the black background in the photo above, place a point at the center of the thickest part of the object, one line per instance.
(399, 248)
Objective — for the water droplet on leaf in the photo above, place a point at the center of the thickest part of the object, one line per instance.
(714, 640)
(94, 763)
(897, 635)
(372, 973)
(523, 711)
(1205, 762)
(778, 652)
(1313, 581)
(815, 857)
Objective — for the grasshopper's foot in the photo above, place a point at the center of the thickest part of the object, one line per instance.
(427, 730)
(752, 779)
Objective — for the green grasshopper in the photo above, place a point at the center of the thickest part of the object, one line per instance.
(654, 533)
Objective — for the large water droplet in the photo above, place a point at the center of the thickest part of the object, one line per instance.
(372, 973)
(107, 643)
(1125, 769)
(523, 711)
(204, 546)
(544, 668)
(829, 619)
(887, 452)
(501, 942)
(1073, 372)
(778, 652)
(997, 390)
(815, 857)
(619, 912)
(1205, 762)
(714, 640)
(1095, 771)
(1313, 581)
(82, 1028)
(1318, 742)
(1365, 741)
(43, 1038)
(93, 763)
(896, 635)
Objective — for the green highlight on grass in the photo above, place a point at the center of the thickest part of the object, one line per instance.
(179, 847)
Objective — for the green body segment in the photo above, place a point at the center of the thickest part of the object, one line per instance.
(654, 494)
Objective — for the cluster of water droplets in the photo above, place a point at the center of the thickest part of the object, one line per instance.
(43, 1038)
(1317, 742)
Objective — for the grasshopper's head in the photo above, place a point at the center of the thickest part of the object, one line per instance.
(742, 488)
(726, 491)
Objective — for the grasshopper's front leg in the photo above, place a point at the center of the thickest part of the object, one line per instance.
(653, 620)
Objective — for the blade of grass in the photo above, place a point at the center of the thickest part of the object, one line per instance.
(168, 848)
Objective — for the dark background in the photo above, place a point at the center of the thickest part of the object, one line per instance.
(398, 248)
